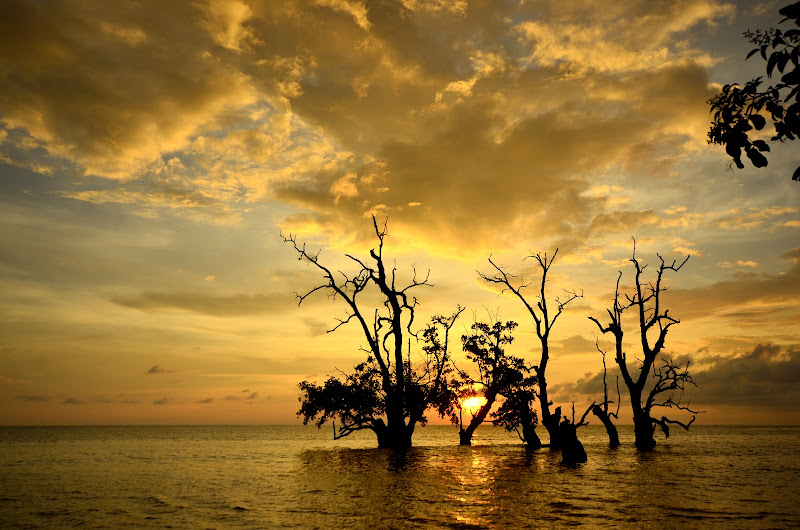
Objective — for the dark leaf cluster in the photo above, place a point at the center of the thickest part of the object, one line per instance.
(740, 110)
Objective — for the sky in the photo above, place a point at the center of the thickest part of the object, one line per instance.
(152, 154)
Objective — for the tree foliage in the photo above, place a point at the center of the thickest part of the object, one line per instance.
(739, 110)
(497, 372)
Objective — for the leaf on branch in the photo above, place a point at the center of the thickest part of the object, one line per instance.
(761, 145)
(758, 121)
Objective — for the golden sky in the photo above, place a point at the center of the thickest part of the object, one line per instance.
(152, 152)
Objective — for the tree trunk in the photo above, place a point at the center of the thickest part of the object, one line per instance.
(465, 435)
(397, 438)
(572, 451)
(552, 422)
(643, 429)
(529, 436)
(611, 429)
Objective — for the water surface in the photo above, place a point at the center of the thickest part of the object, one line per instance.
(293, 476)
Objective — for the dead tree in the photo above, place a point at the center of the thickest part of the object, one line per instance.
(385, 394)
(668, 380)
(602, 410)
(544, 322)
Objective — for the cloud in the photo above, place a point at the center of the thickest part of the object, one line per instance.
(206, 400)
(158, 370)
(34, 397)
(767, 376)
(746, 291)
(162, 401)
(208, 304)
(72, 401)
(254, 395)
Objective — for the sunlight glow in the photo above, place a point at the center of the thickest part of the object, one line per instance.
(472, 404)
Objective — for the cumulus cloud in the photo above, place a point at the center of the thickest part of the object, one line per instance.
(482, 116)
(206, 400)
(767, 376)
(162, 401)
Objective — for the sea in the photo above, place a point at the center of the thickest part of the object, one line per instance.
(299, 477)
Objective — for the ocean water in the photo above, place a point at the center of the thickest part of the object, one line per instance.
(298, 477)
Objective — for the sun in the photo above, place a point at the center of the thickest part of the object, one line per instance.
(473, 403)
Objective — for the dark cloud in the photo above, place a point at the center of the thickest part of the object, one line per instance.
(208, 304)
(162, 401)
(158, 370)
(254, 395)
(72, 401)
(768, 377)
(206, 400)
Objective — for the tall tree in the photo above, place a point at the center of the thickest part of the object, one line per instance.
(385, 394)
(739, 110)
(544, 321)
(667, 380)
(497, 371)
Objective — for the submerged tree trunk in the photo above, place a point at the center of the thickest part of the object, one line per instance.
(529, 436)
(611, 429)
(552, 422)
(644, 429)
(393, 438)
(572, 451)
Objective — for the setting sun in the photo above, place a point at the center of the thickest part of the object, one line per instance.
(472, 404)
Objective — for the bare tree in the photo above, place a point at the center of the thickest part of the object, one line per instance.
(668, 379)
(386, 394)
(602, 410)
(544, 321)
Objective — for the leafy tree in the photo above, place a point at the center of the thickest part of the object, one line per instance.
(517, 412)
(544, 321)
(740, 110)
(498, 372)
(386, 394)
(667, 381)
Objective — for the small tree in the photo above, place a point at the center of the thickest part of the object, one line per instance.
(385, 394)
(669, 379)
(497, 372)
(602, 410)
(517, 412)
(737, 110)
(544, 322)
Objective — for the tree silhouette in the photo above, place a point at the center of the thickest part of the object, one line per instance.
(497, 371)
(517, 412)
(385, 394)
(739, 110)
(602, 411)
(666, 380)
(544, 322)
